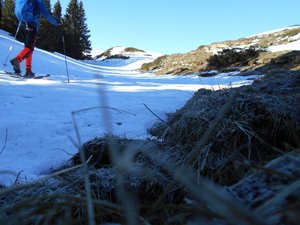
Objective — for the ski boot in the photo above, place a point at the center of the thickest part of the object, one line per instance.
(16, 65)
(29, 74)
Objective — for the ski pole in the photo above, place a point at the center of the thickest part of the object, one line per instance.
(12, 44)
(65, 53)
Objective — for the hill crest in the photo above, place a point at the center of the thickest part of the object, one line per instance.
(273, 42)
(123, 52)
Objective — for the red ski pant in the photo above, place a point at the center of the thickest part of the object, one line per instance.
(29, 34)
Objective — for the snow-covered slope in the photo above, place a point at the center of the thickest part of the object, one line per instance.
(127, 52)
(37, 131)
(96, 52)
(274, 31)
(294, 44)
(287, 38)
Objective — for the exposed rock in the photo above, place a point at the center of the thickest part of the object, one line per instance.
(207, 73)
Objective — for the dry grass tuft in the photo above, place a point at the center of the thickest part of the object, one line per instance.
(62, 200)
(263, 118)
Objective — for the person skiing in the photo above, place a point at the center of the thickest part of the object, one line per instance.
(28, 13)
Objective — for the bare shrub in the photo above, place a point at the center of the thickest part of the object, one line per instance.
(156, 64)
(233, 57)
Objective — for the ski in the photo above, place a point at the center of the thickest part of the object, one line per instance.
(15, 75)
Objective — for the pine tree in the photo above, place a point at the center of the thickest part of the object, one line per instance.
(44, 37)
(85, 43)
(72, 35)
(69, 28)
(76, 31)
(9, 22)
(57, 13)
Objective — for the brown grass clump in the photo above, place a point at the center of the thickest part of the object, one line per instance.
(132, 49)
(62, 199)
(152, 66)
(263, 118)
(141, 174)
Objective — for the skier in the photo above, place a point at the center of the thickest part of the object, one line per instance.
(28, 13)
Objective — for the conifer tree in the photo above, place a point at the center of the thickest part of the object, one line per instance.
(85, 43)
(44, 37)
(9, 22)
(76, 31)
(57, 13)
(70, 28)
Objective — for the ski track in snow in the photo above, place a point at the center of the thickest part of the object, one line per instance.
(36, 115)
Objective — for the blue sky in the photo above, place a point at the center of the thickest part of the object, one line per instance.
(178, 26)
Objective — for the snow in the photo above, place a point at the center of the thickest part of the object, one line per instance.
(120, 50)
(274, 31)
(96, 52)
(37, 130)
(296, 37)
(295, 45)
(117, 50)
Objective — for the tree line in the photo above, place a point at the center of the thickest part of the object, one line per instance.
(74, 28)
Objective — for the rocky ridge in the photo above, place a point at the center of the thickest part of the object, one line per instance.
(197, 60)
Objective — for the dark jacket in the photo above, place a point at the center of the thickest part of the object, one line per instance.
(29, 11)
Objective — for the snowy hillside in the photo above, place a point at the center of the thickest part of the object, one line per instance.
(198, 59)
(127, 52)
(291, 41)
(37, 131)
(96, 52)
(287, 38)
(274, 31)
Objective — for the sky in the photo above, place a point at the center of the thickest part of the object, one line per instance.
(179, 26)
(37, 131)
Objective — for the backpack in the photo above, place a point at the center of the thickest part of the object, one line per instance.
(26, 10)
